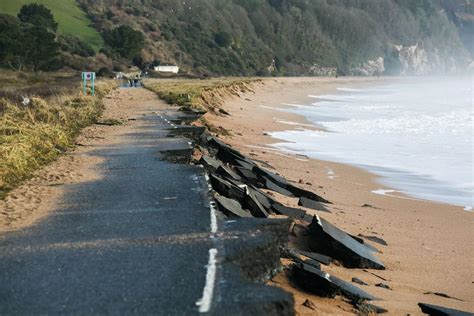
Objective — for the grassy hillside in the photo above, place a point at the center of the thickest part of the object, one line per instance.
(71, 19)
(280, 37)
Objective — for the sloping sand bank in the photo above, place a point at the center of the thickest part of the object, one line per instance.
(430, 245)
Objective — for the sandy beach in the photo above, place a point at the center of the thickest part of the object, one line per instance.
(430, 245)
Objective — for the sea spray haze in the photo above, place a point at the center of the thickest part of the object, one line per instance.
(417, 133)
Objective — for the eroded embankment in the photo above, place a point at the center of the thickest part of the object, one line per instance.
(202, 95)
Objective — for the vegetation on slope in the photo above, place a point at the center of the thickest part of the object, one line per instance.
(282, 37)
(70, 17)
(201, 95)
(34, 134)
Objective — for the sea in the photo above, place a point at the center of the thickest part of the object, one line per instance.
(416, 134)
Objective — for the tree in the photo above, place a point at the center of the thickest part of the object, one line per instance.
(10, 44)
(76, 46)
(40, 49)
(38, 15)
(223, 39)
(125, 41)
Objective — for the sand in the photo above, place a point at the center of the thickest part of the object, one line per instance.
(430, 245)
(43, 193)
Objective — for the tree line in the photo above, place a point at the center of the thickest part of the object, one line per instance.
(30, 41)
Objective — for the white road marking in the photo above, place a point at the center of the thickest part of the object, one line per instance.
(205, 302)
(212, 207)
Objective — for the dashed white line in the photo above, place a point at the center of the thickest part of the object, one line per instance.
(212, 208)
(205, 302)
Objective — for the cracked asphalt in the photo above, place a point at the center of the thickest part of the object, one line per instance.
(135, 241)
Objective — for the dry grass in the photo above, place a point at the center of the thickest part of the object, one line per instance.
(16, 85)
(204, 95)
(199, 94)
(34, 135)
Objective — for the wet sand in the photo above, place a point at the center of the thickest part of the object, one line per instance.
(430, 245)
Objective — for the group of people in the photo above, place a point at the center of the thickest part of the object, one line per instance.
(134, 82)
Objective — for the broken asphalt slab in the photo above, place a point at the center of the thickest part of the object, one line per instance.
(318, 257)
(268, 179)
(323, 284)
(308, 203)
(251, 202)
(230, 207)
(227, 189)
(435, 310)
(370, 309)
(282, 182)
(260, 259)
(327, 239)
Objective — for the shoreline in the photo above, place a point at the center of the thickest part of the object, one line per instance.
(417, 231)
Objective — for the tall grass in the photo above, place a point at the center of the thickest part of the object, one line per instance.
(35, 134)
(199, 94)
(204, 95)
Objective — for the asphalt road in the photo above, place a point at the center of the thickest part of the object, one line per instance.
(136, 241)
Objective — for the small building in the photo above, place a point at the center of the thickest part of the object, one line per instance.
(167, 68)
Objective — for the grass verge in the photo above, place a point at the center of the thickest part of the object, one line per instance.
(35, 134)
(204, 95)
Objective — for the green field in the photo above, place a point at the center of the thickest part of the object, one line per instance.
(71, 19)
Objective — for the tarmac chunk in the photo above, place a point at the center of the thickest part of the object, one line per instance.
(316, 256)
(323, 284)
(330, 240)
(251, 202)
(248, 174)
(227, 189)
(308, 203)
(264, 199)
(369, 309)
(383, 285)
(291, 212)
(230, 207)
(228, 173)
(358, 281)
(434, 310)
(210, 162)
(269, 184)
(283, 183)
(309, 304)
(362, 241)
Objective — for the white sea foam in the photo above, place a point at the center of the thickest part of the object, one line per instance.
(349, 89)
(418, 134)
